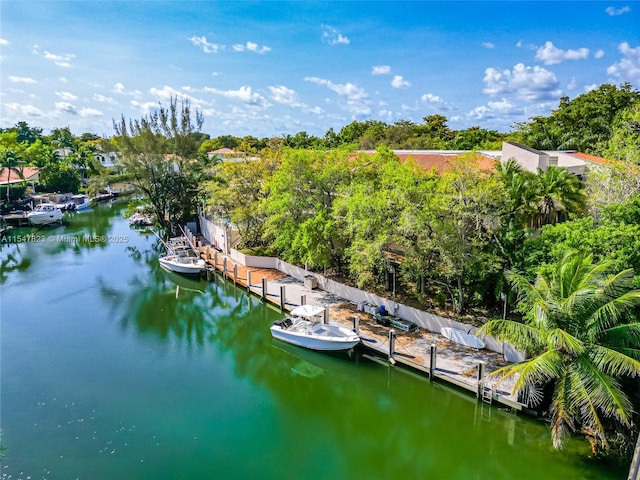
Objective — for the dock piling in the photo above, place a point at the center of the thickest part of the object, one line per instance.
(249, 280)
(303, 299)
(224, 267)
(264, 288)
(392, 346)
(481, 366)
(282, 297)
(235, 272)
(433, 351)
(356, 323)
(325, 319)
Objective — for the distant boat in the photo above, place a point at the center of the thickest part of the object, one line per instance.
(304, 328)
(463, 338)
(182, 264)
(44, 214)
(81, 201)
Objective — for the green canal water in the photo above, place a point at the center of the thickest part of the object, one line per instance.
(112, 368)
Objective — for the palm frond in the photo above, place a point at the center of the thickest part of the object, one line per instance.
(613, 362)
(562, 340)
(610, 314)
(523, 336)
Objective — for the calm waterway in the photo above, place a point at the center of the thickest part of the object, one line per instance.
(113, 368)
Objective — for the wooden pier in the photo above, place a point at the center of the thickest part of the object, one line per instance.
(427, 353)
(16, 219)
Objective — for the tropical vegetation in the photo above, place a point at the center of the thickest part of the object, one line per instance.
(455, 241)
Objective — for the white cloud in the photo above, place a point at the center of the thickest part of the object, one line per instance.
(435, 101)
(551, 55)
(66, 96)
(284, 95)
(588, 88)
(598, 53)
(356, 98)
(627, 69)
(66, 107)
(119, 88)
(528, 83)
(167, 92)
(90, 112)
(24, 110)
(15, 79)
(251, 47)
(399, 82)
(3, 41)
(244, 94)
(573, 84)
(488, 45)
(60, 60)
(495, 110)
(145, 107)
(381, 70)
(207, 47)
(332, 36)
(612, 11)
(254, 47)
(102, 99)
(64, 80)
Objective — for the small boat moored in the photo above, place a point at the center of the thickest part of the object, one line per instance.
(44, 214)
(182, 264)
(304, 328)
(81, 201)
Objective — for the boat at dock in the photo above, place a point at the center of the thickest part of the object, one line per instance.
(463, 338)
(44, 214)
(182, 264)
(304, 327)
(81, 201)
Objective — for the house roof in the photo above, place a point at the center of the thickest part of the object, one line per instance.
(29, 173)
(223, 151)
(444, 161)
(591, 158)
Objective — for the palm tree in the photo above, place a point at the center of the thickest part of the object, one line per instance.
(10, 161)
(581, 338)
(558, 195)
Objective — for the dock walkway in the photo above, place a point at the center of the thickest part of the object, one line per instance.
(427, 352)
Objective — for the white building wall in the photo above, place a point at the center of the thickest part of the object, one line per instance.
(528, 158)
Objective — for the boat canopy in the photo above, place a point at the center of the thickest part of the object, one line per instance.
(307, 311)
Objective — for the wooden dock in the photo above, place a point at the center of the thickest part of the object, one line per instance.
(16, 219)
(427, 353)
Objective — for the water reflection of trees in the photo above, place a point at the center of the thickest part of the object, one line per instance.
(82, 231)
(12, 258)
(381, 412)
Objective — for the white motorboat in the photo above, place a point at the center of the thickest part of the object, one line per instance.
(44, 214)
(81, 201)
(305, 328)
(463, 338)
(182, 264)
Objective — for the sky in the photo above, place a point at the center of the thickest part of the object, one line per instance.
(277, 68)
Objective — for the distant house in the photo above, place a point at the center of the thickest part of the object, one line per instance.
(107, 159)
(531, 159)
(30, 174)
(441, 160)
(229, 155)
(528, 158)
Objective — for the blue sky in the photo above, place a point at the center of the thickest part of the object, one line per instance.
(272, 68)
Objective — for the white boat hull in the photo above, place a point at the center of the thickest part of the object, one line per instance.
(44, 214)
(463, 338)
(317, 336)
(184, 265)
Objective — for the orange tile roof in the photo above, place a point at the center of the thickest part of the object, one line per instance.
(27, 172)
(591, 158)
(442, 162)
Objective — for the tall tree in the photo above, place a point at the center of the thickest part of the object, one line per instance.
(581, 337)
(10, 161)
(156, 151)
